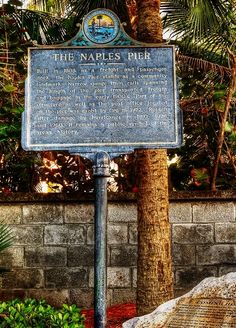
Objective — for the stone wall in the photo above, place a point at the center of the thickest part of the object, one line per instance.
(52, 255)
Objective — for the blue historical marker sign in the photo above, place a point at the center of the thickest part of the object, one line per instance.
(116, 98)
(101, 98)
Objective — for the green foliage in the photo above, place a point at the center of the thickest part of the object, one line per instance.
(6, 237)
(32, 313)
(203, 99)
(27, 25)
(205, 29)
(16, 166)
(230, 131)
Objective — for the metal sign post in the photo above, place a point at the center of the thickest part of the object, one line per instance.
(101, 172)
(101, 93)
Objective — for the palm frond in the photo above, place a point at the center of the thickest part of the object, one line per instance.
(207, 25)
(39, 26)
(203, 65)
(57, 7)
(6, 236)
(30, 25)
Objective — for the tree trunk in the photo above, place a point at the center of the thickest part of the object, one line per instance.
(154, 285)
(154, 278)
(149, 27)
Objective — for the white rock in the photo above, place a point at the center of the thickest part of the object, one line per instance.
(214, 298)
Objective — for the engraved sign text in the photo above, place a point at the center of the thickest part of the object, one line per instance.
(101, 97)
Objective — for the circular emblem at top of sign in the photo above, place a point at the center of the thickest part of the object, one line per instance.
(101, 26)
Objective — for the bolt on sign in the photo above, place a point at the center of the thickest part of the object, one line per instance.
(101, 90)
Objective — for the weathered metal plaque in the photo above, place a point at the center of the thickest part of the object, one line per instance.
(203, 313)
(114, 99)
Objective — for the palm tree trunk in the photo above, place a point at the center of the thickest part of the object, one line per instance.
(149, 27)
(154, 284)
(154, 279)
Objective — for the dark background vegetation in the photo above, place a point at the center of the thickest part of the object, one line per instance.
(205, 78)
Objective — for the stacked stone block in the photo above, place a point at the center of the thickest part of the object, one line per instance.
(204, 241)
(53, 252)
(52, 255)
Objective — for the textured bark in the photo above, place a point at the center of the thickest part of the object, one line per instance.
(155, 280)
(149, 21)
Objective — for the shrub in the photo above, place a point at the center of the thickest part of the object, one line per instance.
(33, 313)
